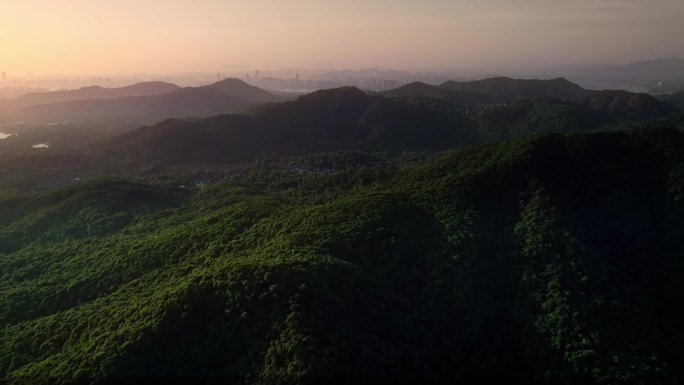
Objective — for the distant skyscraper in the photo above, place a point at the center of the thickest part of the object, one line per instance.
(247, 76)
(4, 76)
(256, 74)
(297, 76)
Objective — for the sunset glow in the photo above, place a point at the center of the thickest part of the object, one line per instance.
(97, 36)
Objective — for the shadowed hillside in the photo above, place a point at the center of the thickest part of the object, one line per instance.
(92, 92)
(241, 90)
(553, 259)
(422, 90)
(344, 118)
(512, 89)
(627, 104)
(348, 119)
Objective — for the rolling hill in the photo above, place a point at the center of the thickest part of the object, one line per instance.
(226, 96)
(422, 90)
(92, 92)
(546, 259)
(348, 119)
(513, 89)
(627, 104)
(241, 90)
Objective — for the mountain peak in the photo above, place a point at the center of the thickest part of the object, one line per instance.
(512, 89)
(237, 88)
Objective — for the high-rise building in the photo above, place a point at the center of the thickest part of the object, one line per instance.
(256, 74)
(297, 77)
(4, 76)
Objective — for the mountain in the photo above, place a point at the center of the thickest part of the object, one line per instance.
(534, 116)
(422, 90)
(626, 104)
(84, 110)
(194, 101)
(181, 103)
(344, 118)
(513, 89)
(227, 96)
(348, 119)
(675, 100)
(92, 92)
(241, 90)
(546, 259)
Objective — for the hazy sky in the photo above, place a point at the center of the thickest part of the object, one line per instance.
(123, 36)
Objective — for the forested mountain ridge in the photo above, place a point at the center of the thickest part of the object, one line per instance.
(344, 118)
(627, 104)
(553, 258)
(462, 98)
(329, 120)
(347, 237)
(513, 89)
(349, 119)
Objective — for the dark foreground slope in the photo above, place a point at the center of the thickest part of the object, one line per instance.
(344, 118)
(556, 258)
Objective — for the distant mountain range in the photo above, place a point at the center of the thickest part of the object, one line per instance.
(463, 98)
(511, 89)
(324, 120)
(142, 102)
(349, 119)
(92, 92)
(502, 89)
(236, 88)
(192, 126)
(153, 101)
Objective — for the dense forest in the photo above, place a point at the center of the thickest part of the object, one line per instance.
(348, 238)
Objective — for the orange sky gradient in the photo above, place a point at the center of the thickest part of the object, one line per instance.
(97, 36)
